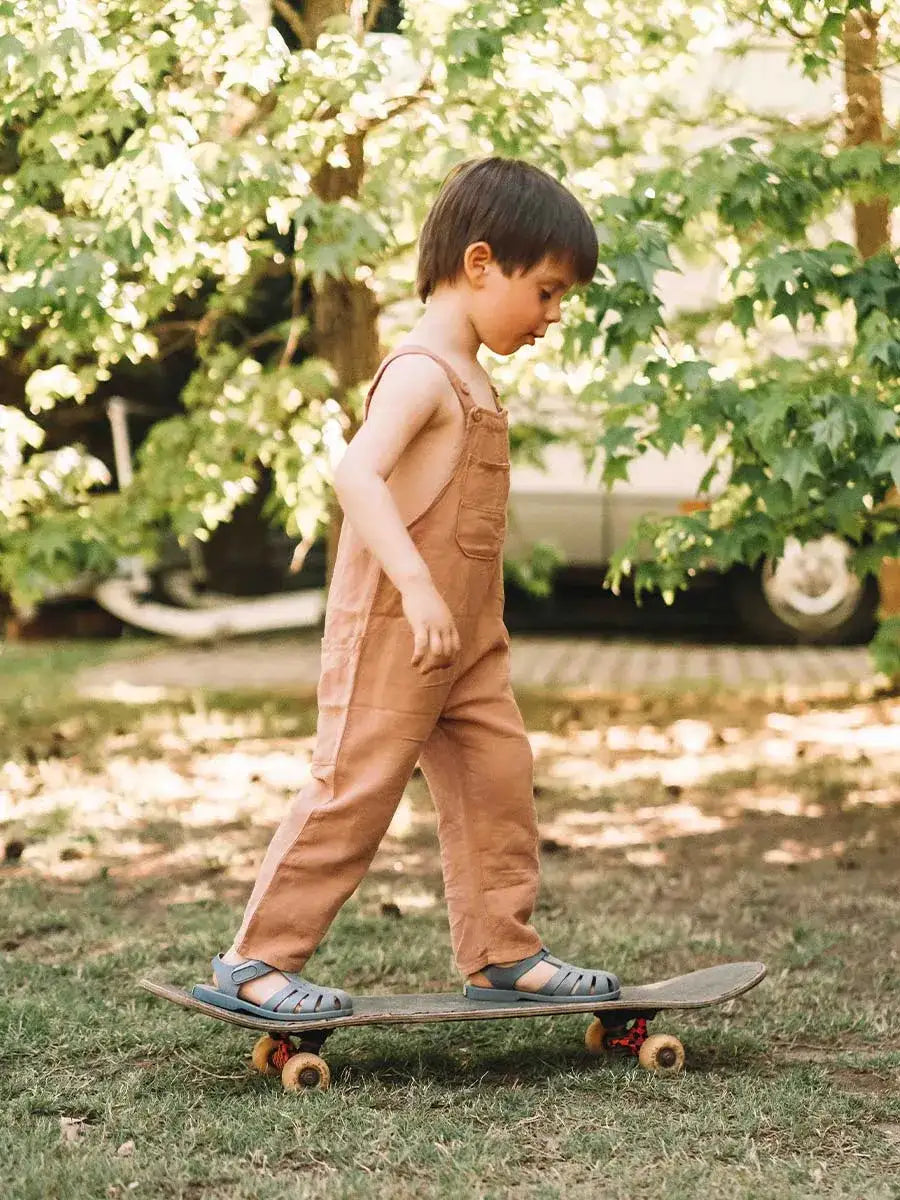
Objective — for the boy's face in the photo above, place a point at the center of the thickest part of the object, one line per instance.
(511, 311)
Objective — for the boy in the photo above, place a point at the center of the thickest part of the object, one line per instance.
(415, 657)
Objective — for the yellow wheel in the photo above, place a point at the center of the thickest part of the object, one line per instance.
(306, 1072)
(595, 1037)
(262, 1055)
(662, 1054)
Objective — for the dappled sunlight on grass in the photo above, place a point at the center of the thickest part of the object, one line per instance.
(173, 791)
(772, 800)
(686, 753)
(122, 692)
(790, 852)
(606, 830)
(849, 731)
(189, 794)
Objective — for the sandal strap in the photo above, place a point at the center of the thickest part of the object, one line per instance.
(229, 978)
(572, 981)
(505, 977)
(298, 995)
(302, 996)
(568, 980)
(576, 981)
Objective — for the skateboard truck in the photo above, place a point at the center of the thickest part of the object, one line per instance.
(624, 1031)
(298, 1063)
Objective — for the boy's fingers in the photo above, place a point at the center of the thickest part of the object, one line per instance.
(422, 656)
(419, 647)
(436, 650)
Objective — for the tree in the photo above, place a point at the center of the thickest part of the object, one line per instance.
(168, 168)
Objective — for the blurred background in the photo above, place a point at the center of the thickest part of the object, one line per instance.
(204, 265)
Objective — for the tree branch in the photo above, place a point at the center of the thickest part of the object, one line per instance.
(402, 105)
(373, 14)
(294, 21)
(293, 338)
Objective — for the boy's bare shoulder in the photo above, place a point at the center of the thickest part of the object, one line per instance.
(414, 384)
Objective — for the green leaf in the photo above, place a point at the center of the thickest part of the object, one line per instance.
(890, 462)
(794, 466)
(832, 429)
(774, 272)
(615, 469)
(636, 268)
(742, 313)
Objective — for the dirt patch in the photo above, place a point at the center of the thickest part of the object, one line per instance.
(865, 1083)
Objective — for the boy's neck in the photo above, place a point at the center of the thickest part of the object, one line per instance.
(446, 327)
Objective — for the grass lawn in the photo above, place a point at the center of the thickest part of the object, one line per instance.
(674, 836)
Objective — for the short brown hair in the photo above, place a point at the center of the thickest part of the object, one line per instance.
(522, 213)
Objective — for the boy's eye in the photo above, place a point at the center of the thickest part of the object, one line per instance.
(545, 295)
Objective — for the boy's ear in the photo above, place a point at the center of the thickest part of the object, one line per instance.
(477, 258)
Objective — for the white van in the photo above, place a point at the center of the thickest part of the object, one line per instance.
(810, 595)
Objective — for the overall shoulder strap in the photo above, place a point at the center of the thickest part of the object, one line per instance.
(461, 389)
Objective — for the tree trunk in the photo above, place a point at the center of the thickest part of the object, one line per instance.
(865, 121)
(871, 218)
(345, 316)
(344, 312)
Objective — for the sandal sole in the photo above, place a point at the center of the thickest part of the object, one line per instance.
(505, 996)
(234, 1004)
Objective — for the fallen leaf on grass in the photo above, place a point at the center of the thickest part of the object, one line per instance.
(71, 1130)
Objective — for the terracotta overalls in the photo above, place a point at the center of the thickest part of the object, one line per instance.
(378, 716)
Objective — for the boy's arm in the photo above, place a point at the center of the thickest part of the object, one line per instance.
(408, 396)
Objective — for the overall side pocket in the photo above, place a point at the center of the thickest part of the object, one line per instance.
(332, 696)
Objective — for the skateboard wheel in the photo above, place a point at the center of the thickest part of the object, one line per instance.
(306, 1072)
(662, 1054)
(262, 1056)
(595, 1037)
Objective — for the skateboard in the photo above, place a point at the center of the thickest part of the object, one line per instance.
(619, 1026)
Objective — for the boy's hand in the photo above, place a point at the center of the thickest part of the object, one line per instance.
(434, 631)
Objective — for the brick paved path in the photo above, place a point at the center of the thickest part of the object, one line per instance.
(603, 666)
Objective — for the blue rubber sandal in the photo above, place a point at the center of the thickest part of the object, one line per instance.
(568, 984)
(299, 1000)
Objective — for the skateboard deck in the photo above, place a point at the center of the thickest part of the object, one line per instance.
(618, 1025)
(713, 985)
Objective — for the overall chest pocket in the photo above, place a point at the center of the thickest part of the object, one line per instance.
(481, 521)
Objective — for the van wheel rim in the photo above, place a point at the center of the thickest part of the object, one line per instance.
(811, 586)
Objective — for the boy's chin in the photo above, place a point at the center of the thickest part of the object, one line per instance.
(506, 346)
